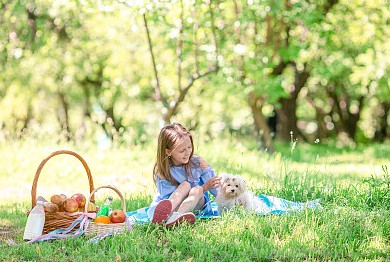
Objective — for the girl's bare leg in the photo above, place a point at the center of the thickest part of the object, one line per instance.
(187, 199)
(195, 200)
(180, 194)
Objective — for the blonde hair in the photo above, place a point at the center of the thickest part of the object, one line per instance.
(168, 138)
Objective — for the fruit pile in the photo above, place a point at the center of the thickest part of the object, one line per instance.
(61, 203)
(76, 203)
(116, 216)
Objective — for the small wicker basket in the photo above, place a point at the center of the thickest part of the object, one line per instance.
(98, 228)
(59, 219)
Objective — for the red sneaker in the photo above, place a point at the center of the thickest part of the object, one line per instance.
(162, 211)
(177, 217)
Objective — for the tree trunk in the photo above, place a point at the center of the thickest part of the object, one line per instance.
(287, 117)
(347, 121)
(63, 116)
(113, 123)
(383, 131)
(256, 102)
(351, 123)
(322, 131)
(82, 129)
(25, 121)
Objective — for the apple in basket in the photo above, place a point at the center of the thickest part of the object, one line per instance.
(118, 216)
(71, 205)
(80, 198)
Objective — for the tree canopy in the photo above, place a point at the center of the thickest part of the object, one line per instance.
(260, 68)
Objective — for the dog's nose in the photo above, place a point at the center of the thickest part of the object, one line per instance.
(232, 190)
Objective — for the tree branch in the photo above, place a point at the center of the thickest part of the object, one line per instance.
(157, 89)
(212, 19)
(174, 105)
(196, 51)
(31, 20)
(278, 70)
(329, 4)
(179, 47)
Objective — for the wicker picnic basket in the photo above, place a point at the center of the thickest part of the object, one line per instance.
(98, 228)
(60, 219)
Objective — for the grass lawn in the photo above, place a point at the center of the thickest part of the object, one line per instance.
(353, 183)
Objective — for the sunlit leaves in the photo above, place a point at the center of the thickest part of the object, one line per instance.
(99, 49)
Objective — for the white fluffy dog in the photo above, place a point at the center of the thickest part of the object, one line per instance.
(233, 192)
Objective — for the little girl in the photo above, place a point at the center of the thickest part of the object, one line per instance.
(182, 179)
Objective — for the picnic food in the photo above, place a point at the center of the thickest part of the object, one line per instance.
(102, 220)
(71, 205)
(65, 204)
(50, 207)
(103, 224)
(80, 198)
(117, 216)
(61, 219)
(57, 199)
(35, 222)
(63, 196)
(91, 207)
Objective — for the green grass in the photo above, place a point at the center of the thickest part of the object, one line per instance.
(354, 185)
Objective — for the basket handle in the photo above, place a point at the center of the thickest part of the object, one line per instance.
(109, 187)
(59, 152)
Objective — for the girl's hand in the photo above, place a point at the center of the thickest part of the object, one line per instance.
(213, 182)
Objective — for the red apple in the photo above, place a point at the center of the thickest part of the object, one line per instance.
(117, 216)
(71, 205)
(80, 198)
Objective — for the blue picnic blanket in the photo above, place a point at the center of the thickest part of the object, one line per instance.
(278, 206)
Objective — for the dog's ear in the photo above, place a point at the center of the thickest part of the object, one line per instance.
(226, 180)
(242, 183)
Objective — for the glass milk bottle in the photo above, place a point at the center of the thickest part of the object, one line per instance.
(35, 222)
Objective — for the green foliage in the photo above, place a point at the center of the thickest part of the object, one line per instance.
(290, 53)
(83, 65)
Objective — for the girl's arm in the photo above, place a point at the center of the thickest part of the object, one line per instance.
(211, 182)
